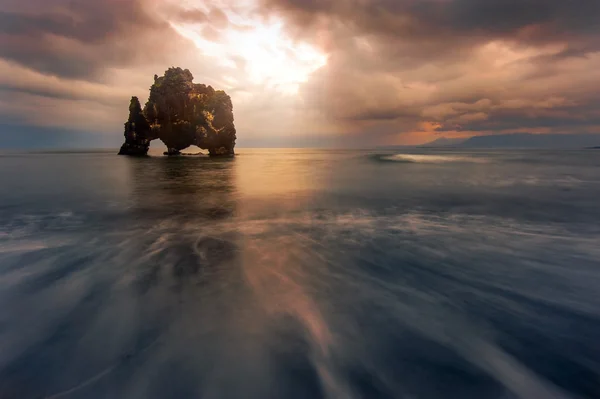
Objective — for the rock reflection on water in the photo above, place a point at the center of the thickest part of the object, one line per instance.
(187, 187)
(299, 274)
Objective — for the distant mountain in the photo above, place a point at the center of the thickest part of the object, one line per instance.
(528, 140)
(444, 142)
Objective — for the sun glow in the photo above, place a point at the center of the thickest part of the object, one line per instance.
(260, 50)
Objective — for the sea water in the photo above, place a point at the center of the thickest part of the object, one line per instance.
(301, 274)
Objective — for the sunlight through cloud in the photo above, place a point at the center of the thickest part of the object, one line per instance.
(260, 49)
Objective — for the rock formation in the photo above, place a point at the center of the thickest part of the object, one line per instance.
(181, 113)
(137, 131)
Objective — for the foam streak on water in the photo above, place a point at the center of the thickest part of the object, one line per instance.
(420, 158)
(300, 274)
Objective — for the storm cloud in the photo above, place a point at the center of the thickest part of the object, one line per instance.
(397, 71)
(461, 66)
(80, 39)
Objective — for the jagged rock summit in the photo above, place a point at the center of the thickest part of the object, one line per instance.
(181, 113)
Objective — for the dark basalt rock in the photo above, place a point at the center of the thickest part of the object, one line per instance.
(137, 131)
(181, 113)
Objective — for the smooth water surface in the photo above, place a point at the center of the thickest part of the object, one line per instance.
(301, 274)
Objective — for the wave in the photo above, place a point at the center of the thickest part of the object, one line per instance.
(420, 158)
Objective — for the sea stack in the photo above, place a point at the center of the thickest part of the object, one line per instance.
(181, 113)
(137, 131)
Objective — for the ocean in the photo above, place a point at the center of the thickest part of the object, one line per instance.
(414, 274)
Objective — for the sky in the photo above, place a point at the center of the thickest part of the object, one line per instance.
(351, 73)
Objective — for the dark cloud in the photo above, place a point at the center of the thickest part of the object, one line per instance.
(87, 22)
(397, 64)
(80, 38)
(10, 89)
(558, 119)
(441, 20)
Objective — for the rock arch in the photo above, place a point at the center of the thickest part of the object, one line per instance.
(181, 113)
